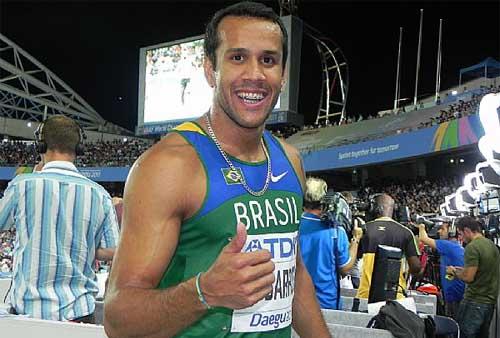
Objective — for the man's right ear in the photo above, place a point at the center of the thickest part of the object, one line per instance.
(209, 70)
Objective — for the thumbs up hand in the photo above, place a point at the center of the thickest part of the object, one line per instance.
(236, 244)
(238, 279)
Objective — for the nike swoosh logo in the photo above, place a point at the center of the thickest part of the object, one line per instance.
(275, 179)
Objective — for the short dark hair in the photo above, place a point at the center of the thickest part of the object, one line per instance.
(469, 222)
(242, 9)
(61, 134)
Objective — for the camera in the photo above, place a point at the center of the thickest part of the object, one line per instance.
(432, 225)
(487, 211)
(338, 212)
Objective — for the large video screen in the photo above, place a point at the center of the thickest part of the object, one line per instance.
(174, 84)
(173, 88)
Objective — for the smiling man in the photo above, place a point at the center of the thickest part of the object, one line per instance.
(211, 213)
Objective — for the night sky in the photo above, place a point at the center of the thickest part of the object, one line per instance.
(94, 46)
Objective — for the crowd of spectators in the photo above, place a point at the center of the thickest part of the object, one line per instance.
(453, 111)
(421, 196)
(460, 109)
(6, 248)
(114, 153)
(117, 153)
(17, 153)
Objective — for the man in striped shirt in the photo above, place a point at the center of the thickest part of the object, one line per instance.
(64, 222)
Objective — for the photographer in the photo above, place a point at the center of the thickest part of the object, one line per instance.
(325, 249)
(480, 273)
(386, 231)
(451, 253)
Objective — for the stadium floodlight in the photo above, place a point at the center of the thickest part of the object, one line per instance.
(450, 204)
(489, 144)
(474, 184)
(488, 114)
(489, 177)
(464, 200)
(484, 145)
(442, 208)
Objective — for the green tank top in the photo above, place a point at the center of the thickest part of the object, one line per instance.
(272, 223)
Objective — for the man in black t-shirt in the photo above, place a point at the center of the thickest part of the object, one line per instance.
(386, 231)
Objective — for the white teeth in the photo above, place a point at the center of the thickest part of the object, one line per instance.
(251, 96)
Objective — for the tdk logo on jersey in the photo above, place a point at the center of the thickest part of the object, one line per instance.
(279, 247)
(254, 245)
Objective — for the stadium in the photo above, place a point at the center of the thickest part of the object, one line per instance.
(417, 150)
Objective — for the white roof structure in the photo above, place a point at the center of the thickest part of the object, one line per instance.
(30, 91)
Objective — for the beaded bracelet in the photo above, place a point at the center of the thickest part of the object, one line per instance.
(200, 294)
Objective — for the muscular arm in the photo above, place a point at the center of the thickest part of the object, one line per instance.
(155, 206)
(414, 264)
(411, 252)
(353, 252)
(422, 237)
(104, 254)
(466, 274)
(307, 318)
(357, 234)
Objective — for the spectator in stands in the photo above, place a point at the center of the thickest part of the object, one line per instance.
(64, 221)
(6, 249)
(421, 196)
(451, 253)
(377, 232)
(325, 249)
(480, 274)
(97, 154)
(176, 273)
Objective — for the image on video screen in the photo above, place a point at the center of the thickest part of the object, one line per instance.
(175, 86)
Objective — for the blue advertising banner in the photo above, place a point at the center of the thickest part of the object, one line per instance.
(447, 135)
(108, 174)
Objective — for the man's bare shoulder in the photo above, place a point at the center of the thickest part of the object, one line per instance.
(294, 155)
(290, 150)
(170, 152)
(168, 171)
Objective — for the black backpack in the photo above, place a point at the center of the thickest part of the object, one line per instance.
(402, 323)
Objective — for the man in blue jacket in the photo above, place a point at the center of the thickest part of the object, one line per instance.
(325, 248)
(451, 254)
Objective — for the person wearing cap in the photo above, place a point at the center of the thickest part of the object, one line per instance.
(451, 253)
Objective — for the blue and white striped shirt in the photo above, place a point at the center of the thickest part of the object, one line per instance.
(61, 218)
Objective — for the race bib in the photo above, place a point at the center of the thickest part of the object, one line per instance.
(275, 310)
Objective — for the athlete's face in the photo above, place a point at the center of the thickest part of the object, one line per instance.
(248, 76)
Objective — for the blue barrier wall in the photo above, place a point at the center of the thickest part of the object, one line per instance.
(108, 174)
